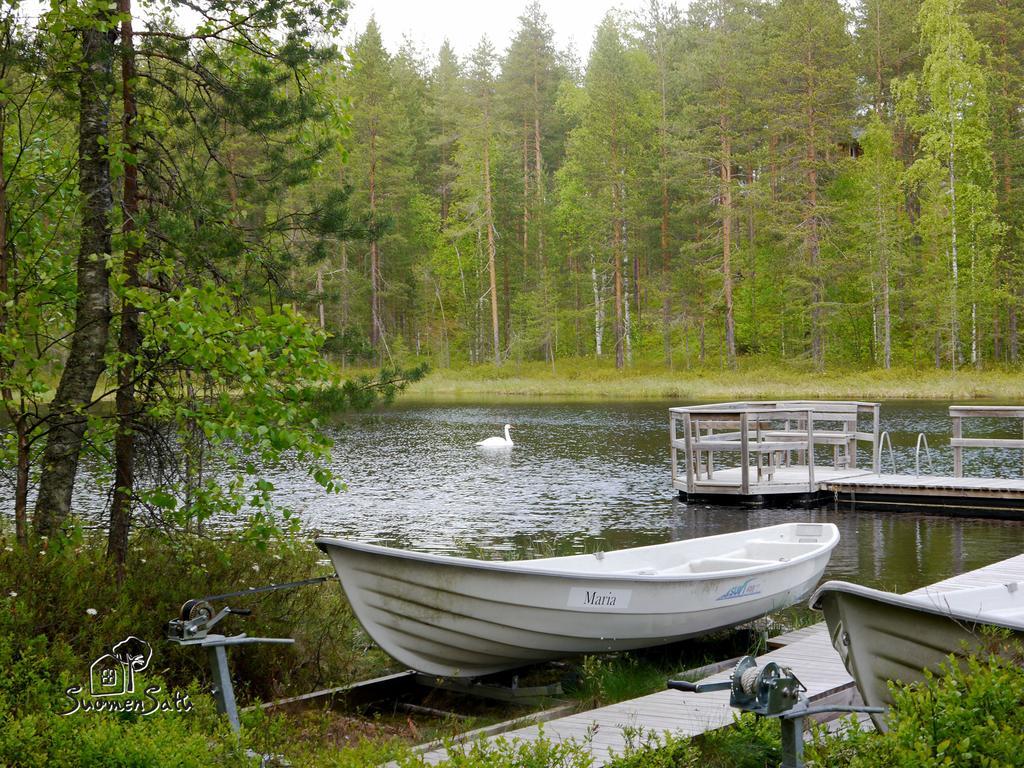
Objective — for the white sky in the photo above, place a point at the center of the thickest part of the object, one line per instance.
(463, 22)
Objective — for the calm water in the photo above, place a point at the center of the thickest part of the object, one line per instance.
(588, 476)
(597, 475)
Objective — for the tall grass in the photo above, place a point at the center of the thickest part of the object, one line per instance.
(753, 379)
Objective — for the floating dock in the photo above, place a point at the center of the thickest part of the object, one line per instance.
(826, 451)
(607, 731)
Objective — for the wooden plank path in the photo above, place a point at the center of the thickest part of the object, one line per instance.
(982, 496)
(929, 482)
(807, 651)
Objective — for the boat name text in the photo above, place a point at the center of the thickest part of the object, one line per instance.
(599, 599)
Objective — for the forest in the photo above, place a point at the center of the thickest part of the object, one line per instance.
(796, 180)
(225, 224)
(210, 212)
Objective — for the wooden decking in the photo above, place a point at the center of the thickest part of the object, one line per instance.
(807, 651)
(978, 496)
(733, 453)
(981, 496)
(784, 481)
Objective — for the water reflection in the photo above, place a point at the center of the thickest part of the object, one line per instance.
(597, 475)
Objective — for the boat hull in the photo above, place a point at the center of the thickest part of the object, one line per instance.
(462, 618)
(884, 637)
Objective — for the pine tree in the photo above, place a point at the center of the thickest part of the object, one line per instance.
(475, 157)
(809, 56)
(530, 77)
(381, 163)
(887, 47)
(662, 34)
(444, 103)
(724, 95)
(617, 123)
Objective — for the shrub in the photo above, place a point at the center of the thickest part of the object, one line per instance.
(968, 716)
(73, 595)
(751, 742)
(505, 753)
(33, 732)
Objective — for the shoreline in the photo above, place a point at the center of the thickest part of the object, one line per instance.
(573, 380)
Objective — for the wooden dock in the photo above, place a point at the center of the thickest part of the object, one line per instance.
(777, 453)
(807, 651)
(972, 496)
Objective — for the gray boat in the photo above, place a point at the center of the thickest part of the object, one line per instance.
(882, 636)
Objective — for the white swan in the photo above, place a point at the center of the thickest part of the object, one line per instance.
(498, 442)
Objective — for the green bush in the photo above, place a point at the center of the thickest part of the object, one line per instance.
(969, 716)
(73, 595)
(751, 742)
(505, 753)
(650, 750)
(33, 732)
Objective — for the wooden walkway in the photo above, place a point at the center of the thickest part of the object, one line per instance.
(987, 496)
(785, 481)
(807, 651)
(853, 488)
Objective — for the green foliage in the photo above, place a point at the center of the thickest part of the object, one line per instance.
(968, 715)
(647, 750)
(73, 597)
(541, 752)
(606, 680)
(243, 390)
(34, 733)
(751, 742)
(949, 105)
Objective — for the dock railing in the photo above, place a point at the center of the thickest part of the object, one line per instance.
(957, 413)
(775, 434)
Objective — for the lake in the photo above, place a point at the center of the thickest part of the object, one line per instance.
(596, 475)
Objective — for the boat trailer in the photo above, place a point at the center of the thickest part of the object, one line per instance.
(771, 691)
(197, 618)
(193, 626)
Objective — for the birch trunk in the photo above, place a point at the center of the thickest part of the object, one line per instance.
(130, 337)
(491, 250)
(92, 303)
(725, 198)
(620, 360)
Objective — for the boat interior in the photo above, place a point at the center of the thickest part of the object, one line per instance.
(716, 554)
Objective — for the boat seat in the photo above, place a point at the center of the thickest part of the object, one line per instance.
(775, 551)
(708, 564)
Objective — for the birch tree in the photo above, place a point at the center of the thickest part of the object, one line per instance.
(475, 158)
(948, 105)
(880, 226)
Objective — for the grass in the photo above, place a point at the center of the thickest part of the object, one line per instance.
(590, 379)
(60, 607)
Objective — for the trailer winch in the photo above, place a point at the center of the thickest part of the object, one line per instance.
(771, 691)
(192, 628)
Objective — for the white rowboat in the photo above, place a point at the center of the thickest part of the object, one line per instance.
(458, 617)
(883, 636)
